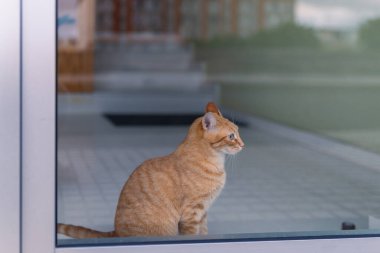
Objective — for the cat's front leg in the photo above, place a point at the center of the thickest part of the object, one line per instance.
(188, 228)
(193, 221)
(203, 230)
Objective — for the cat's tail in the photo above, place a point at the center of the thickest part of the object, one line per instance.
(79, 232)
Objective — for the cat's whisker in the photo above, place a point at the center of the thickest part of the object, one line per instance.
(231, 160)
(234, 162)
(227, 162)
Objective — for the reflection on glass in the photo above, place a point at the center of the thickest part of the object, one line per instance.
(300, 78)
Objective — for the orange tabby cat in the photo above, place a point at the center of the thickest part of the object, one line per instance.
(170, 195)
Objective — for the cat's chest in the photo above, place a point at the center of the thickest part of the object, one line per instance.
(210, 190)
(214, 193)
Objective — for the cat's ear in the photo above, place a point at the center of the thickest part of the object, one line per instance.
(211, 107)
(208, 121)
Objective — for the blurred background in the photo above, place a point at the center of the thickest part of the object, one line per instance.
(309, 64)
(301, 78)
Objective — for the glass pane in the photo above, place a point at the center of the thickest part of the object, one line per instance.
(300, 79)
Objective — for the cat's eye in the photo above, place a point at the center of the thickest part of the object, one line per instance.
(231, 137)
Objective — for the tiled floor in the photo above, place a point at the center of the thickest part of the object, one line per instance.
(279, 183)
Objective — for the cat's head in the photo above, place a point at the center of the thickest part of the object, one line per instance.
(222, 134)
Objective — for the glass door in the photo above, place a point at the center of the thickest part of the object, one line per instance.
(88, 123)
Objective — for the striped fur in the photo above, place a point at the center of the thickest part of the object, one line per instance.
(82, 232)
(170, 195)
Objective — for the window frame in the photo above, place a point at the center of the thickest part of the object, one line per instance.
(38, 125)
(10, 81)
(38, 147)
